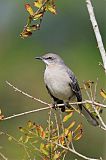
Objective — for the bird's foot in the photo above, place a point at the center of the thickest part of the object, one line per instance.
(54, 105)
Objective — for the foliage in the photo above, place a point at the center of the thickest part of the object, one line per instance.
(44, 141)
(37, 16)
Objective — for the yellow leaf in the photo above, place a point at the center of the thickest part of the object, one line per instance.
(88, 83)
(26, 139)
(43, 150)
(88, 106)
(41, 146)
(79, 127)
(103, 93)
(56, 155)
(38, 15)
(29, 9)
(38, 3)
(67, 117)
(52, 9)
(70, 137)
(66, 131)
(26, 34)
(29, 124)
(10, 138)
(71, 125)
(78, 136)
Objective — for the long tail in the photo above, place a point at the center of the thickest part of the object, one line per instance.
(89, 116)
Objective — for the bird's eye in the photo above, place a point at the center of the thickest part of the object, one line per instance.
(49, 58)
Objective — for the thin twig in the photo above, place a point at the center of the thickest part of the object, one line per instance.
(24, 93)
(97, 32)
(3, 156)
(57, 126)
(95, 89)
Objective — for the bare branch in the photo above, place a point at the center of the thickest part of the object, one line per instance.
(49, 106)
(28, 112)
(97, 32)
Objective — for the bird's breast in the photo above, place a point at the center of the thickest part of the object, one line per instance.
(58, 80)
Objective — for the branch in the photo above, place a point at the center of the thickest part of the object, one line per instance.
(49, 106)
(97, 32)
(75, 152)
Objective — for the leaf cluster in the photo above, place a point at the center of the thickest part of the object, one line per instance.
(36, 16)
(44, 141)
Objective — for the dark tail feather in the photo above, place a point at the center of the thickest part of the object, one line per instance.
(89, 116)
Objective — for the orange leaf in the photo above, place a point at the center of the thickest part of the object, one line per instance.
(61, 140)
(43, 135)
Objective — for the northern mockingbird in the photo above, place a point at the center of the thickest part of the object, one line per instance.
(62, 84)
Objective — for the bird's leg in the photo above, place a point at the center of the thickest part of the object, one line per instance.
(68, 105)
(54, 105)
(56, 102)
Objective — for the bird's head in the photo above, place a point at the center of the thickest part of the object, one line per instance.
(50, 58)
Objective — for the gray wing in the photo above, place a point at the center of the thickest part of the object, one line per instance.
(76, 89)
(74, 85)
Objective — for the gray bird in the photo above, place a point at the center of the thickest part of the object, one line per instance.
(62, 84)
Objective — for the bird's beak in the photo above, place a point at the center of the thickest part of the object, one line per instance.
(39, 58)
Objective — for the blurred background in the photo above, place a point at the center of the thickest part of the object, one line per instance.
(69, 34)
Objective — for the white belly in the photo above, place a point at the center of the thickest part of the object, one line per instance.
(58, 83)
